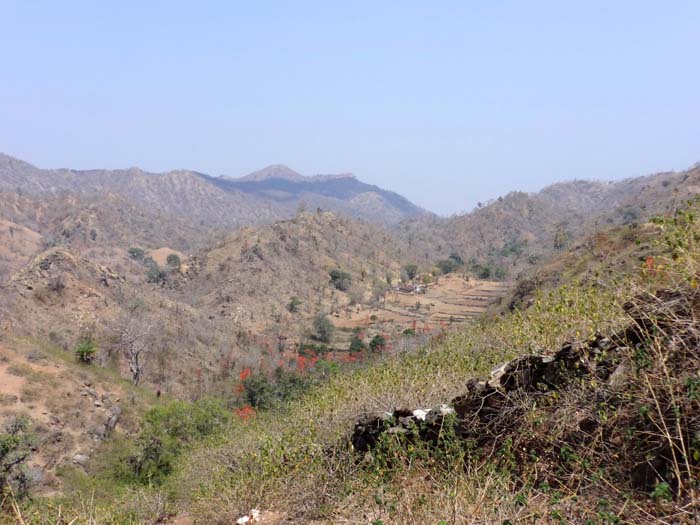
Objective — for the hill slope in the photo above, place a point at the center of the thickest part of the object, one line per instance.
(518, 231)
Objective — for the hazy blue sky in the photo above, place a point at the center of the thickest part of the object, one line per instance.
(448, 103)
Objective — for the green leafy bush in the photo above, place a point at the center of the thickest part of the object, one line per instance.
(155, 274)
(167, 431)
(262, 392)
(294, 304)
(487, 270)
(447, 265)
(16, 444)
(457, 259)
(136, 253)
(86, 350)
(357, 345)
(341, 280)
(311, 349)
(173, 260)
(377, 343)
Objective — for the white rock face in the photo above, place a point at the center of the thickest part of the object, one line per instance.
(254, 516)
(420, 414)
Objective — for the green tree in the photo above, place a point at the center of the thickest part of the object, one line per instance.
(341, 280)
(447, 265)
(323, 328)
(310, 349)
(356, 344)
(262, 392)
(411, 270)
(259, 391)
(561, 238)
(457, 259)
(484, 272)
(136, 253)
(173, 261)
(377, 343)
(155, 274)
(167, 431)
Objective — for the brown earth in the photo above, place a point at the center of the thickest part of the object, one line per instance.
(68, 407)
(160, 255)
(17, 244)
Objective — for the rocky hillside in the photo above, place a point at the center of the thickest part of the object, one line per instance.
(102, 228)
(579, 408)
(251, 276)
(71, 410)
(245, 302)
(517, 232)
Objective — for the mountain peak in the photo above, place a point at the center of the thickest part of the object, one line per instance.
(280, 171)
(275, 171)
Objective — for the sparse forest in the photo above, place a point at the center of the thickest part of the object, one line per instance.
(127, 360)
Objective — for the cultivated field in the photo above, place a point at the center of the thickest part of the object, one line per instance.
(453, 299)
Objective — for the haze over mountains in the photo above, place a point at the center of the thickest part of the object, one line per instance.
(216, 202)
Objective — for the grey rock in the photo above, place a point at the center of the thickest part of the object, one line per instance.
(91, 391)
(35, 474)
(111, 423)
(618, 378)
(97, 432)
(81, 459)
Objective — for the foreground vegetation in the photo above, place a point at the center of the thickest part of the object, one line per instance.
(294, 457)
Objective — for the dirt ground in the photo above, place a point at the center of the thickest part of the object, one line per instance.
(67, 410)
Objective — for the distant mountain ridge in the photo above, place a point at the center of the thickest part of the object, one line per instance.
(284, 185)
(280, 171)
(273, 193)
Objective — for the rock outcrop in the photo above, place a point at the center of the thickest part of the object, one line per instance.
(485, 400)
(575, 390)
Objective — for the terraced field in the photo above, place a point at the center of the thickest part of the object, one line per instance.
(453, 299)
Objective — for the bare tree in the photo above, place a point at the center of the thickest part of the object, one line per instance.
(133, 340)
